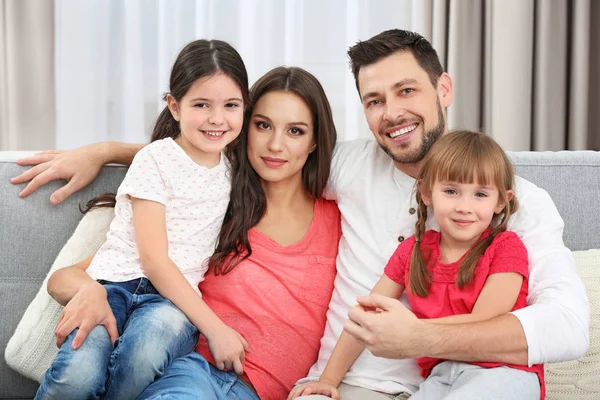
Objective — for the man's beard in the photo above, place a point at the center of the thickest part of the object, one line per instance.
(429, 138)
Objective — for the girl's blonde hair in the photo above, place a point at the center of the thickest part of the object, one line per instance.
(464, 157)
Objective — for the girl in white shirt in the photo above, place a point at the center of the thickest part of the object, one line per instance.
(169, 210)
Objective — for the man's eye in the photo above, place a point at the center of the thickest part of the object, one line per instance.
(408, 91)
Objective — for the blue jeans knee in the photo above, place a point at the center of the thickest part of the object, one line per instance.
(81, 373)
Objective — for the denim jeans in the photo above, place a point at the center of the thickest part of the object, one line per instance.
(192, 377)
(153, 332)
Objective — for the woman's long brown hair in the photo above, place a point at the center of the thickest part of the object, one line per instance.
(465, 157)
(248, 201)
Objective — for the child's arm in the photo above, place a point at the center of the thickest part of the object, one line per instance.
(346, 351)
(497, 297)
(226, 345)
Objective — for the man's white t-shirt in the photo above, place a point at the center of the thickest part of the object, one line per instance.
(378, 206)
(195, 200)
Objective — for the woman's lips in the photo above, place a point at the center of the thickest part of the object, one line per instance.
(273, 162)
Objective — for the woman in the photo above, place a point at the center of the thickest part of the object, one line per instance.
(273, 270)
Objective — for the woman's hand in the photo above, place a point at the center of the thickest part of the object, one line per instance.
(228, 348)
(87, 309)
(79, 167)
(316, 387)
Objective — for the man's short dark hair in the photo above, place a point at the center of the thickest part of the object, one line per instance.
(386, 43)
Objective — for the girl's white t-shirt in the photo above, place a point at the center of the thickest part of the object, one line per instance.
(195, 200)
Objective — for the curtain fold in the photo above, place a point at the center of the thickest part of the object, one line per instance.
(27, 111)
(523, 70)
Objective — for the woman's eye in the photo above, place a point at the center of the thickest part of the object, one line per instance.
(480, 194)
(201, 105)
(450, 191)
(232, 105)
(296, 131)
(262, 125)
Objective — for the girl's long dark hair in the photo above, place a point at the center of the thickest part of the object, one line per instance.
(248, 201)
(466, 157)
(198, 59)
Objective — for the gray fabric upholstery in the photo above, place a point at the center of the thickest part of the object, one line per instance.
(572, 178)
(32, 231)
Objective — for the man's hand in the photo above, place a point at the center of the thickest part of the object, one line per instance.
(87, 309)
(79, 167)
(316, 387)
(228, 348)
(392, 331)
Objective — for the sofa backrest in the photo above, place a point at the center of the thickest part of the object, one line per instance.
(572, 178)
(32, 231)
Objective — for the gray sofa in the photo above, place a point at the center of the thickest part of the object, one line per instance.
(32, 231)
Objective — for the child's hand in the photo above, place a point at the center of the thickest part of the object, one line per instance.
(228, 348)
(317, 387)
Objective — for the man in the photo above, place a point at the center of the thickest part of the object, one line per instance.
(405, 93)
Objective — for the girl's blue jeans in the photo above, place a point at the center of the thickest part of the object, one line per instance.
(191, 377)
(153, 333)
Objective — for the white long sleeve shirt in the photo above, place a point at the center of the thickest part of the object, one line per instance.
(377, 204)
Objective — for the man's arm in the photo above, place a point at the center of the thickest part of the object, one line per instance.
(395, 332)
(556, 323)
(79, 167)
(500, 339)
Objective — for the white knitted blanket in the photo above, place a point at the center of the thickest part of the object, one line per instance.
(580, 379)
(32, 348)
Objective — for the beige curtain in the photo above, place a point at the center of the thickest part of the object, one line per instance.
(522, 69)
(27, 116)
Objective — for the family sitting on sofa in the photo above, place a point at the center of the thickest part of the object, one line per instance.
(245, 233)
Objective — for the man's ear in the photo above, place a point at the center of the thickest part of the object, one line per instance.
(445, 90)
(500, 206)
(173, 107)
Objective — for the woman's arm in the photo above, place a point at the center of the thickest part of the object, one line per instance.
(79, 167)
(66, 282)
(498, 297)
(85, 301)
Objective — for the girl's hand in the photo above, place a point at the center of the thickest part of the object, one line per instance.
(228, 348)
(88, 308)
(317, 387)
(79, 167)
